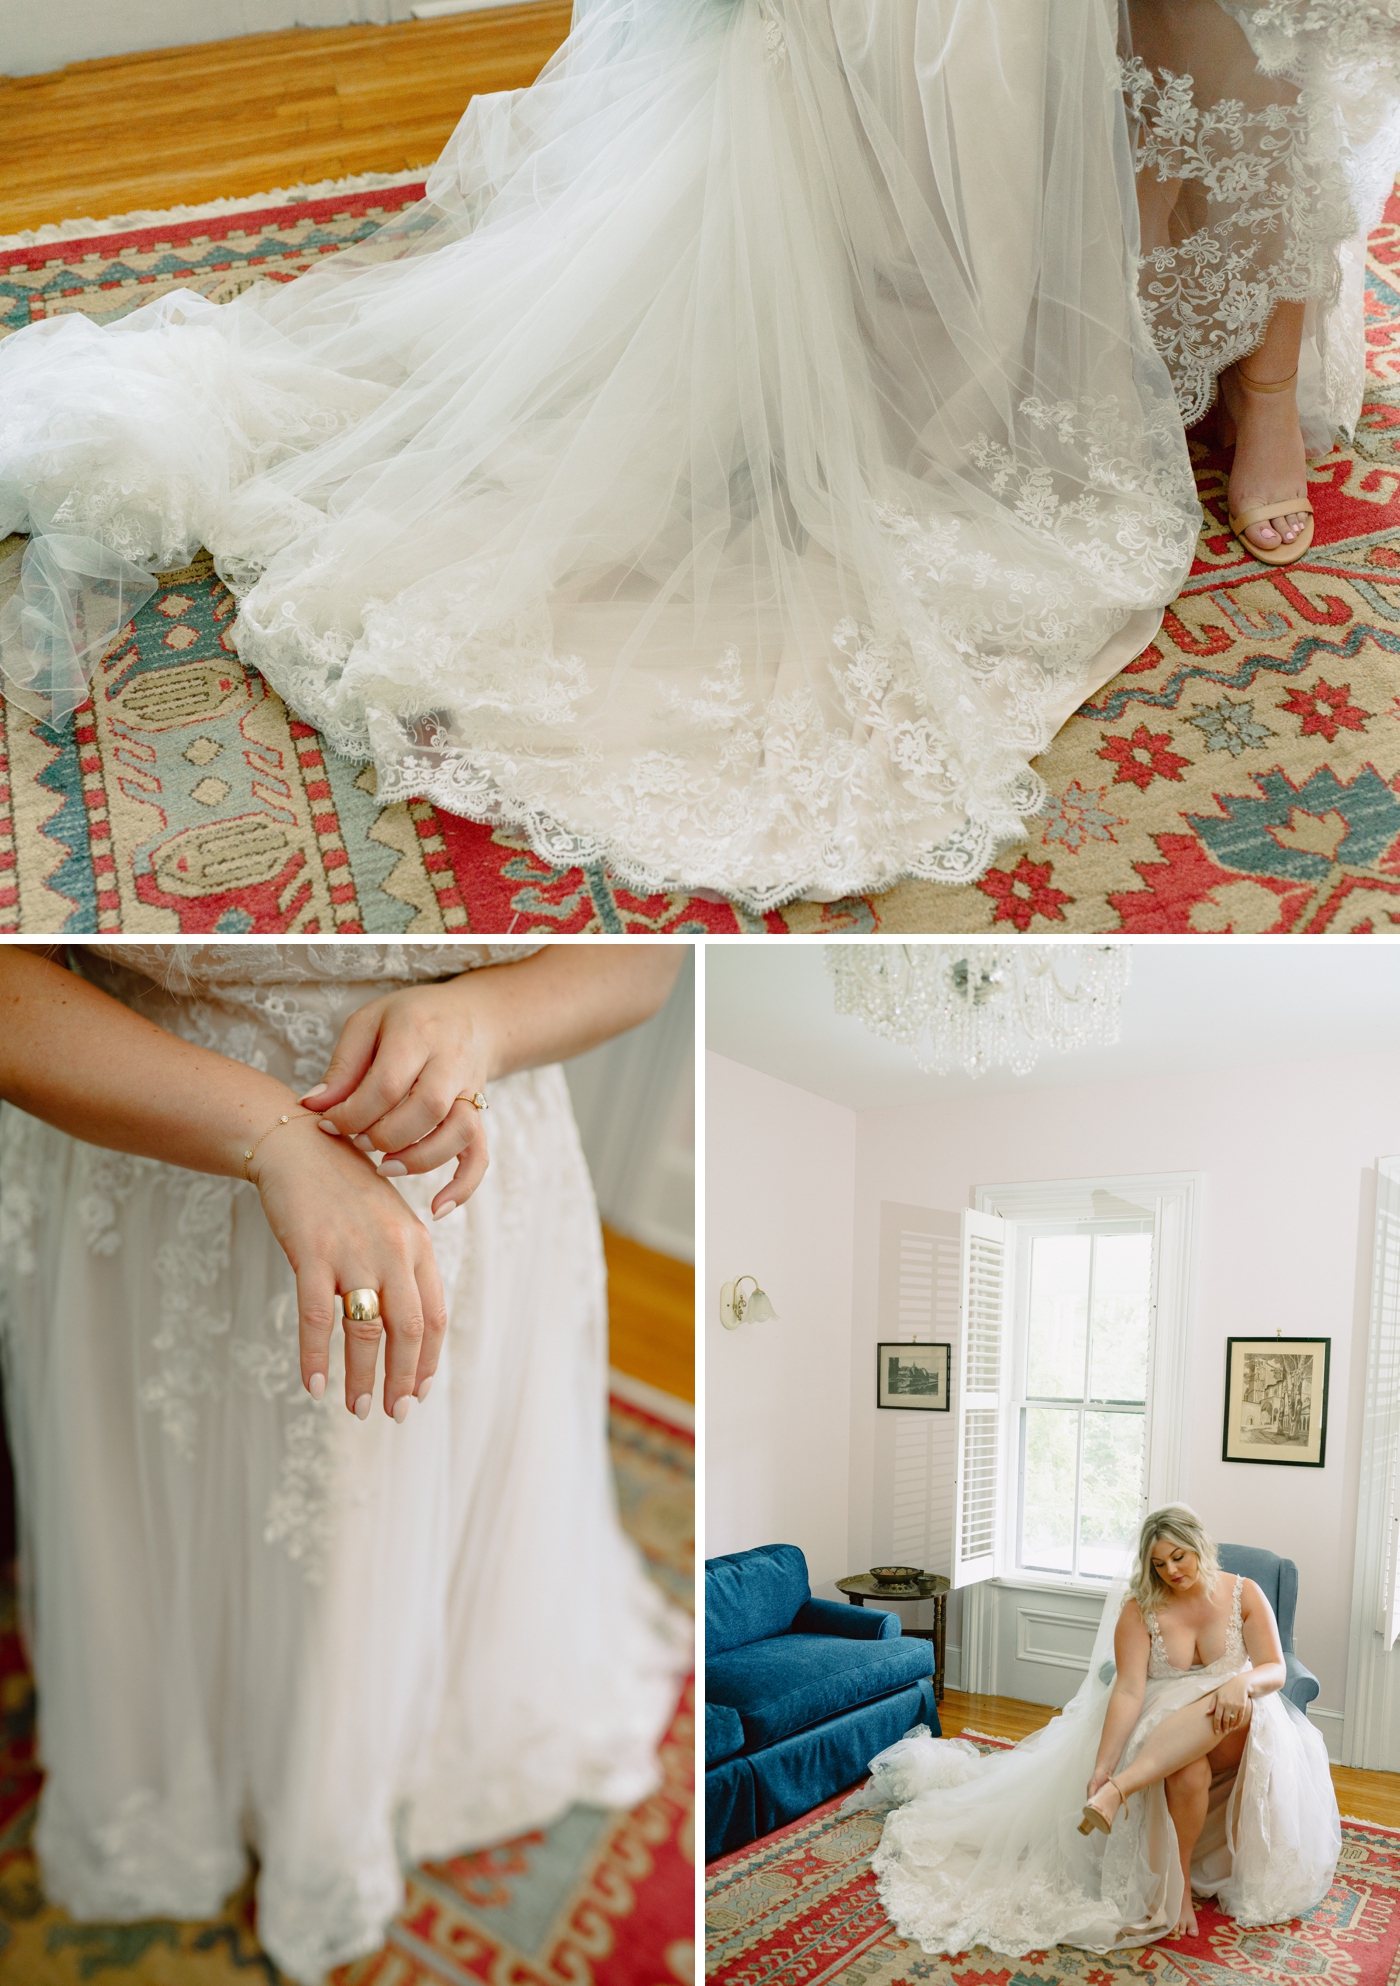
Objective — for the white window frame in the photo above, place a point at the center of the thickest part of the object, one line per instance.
(1172, 1200)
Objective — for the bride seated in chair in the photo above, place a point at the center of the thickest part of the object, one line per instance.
(1201, 1776)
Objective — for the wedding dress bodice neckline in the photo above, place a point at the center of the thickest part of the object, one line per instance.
(1160, 1666)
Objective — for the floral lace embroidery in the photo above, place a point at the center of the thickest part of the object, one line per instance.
(914, 765)
(1284, 186)
(1160, 1667)
(196, 1260)
(1279, 205)
(24, 1180)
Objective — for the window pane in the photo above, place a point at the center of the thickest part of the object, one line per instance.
(1122, 1307)
(1059, 1317)
(1047, 1522)
(1110, 1498)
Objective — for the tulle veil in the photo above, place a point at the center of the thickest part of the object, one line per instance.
(994, 1853)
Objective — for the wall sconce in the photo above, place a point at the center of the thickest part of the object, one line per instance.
(736, 1309)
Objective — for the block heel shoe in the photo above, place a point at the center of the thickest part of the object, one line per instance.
(1094, 1819)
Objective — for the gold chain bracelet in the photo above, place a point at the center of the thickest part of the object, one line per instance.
(308, 1115)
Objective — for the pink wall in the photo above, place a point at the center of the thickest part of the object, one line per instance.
(1287, 1154)
(780, 1185)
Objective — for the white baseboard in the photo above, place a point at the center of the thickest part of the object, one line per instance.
(651, 1400)
(1332, 1725)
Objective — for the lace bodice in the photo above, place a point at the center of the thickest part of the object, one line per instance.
(214, 968)
(1159, 1669)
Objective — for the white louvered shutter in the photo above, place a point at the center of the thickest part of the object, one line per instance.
(1385, 1329)
(915, 1452)
(983, 1358)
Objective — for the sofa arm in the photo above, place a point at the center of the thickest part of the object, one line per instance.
(855, 1623)
(1302, 1685)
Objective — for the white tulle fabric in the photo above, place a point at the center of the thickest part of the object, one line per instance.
(736, 471)
(986, 1851)
(754, 449)
(254, 1620)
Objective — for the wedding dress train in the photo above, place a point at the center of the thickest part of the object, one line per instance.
(986, 1851)
(746, 458)
(256, 1621)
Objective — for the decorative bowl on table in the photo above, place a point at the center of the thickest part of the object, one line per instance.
(896, 1575)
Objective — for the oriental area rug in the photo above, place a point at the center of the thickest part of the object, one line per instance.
(799, 1908)
(1242, 774)
(599, 1899)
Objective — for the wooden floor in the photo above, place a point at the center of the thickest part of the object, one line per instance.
(651, 1316)
(224, 118)
(1373, 1796)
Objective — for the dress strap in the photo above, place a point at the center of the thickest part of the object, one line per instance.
(1236, 1623)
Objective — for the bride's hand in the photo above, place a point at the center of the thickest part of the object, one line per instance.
(1100, 1778)
(1228, 1710)
(400, 1082)
(342, 1228)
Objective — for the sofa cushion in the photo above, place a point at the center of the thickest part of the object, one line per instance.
(724, 1734)
(795, 1680)
(751, 1595)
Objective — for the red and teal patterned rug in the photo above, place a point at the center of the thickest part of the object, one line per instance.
(1243, 774)
(800, 1908)
(599, 1899)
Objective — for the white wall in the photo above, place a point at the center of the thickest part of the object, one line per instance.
(780, 1188)
(33, 39)
(1287, 1206)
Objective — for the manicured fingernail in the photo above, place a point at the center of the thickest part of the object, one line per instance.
(441, 1213)
(362, 1140)
(423, 1389)
(362, 1407)
(401, 1407)
(316, 1385)
(316, 1092)
(326, 1125)
(392, 1169)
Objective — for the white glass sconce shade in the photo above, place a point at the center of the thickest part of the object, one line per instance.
(735, 1308)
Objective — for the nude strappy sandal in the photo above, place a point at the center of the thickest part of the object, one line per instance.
(1260, 513)
(1094, 1819)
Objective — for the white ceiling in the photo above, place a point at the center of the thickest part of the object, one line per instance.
(1190, 1005)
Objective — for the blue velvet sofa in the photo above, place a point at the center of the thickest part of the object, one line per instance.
(799, 1693)
(1277, 1579)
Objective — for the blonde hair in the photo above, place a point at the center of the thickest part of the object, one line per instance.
(1176, 1524)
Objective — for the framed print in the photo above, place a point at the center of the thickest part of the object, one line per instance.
(914, 1377)
(1276, 1400)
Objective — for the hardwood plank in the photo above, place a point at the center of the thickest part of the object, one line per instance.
(651, 1316)
(179, 126)
(1371, 1796)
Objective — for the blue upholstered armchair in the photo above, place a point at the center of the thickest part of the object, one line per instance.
(799, 1693)
(1277, 1579)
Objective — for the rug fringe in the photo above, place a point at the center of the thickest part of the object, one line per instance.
(322, 189)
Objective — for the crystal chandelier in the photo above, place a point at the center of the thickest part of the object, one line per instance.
(974, 1007)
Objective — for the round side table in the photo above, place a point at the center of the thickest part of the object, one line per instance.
(860, 1587)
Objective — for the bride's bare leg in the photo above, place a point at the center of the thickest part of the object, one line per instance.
(1269, 460)
(1188, 1792)
(1178, 1741)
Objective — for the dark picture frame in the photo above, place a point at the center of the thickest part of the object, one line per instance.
(913, 1378)
(1276, 1401)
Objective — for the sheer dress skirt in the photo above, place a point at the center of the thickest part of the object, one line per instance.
(257, 1622)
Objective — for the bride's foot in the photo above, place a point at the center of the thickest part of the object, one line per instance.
(1269, 465)
(1102, 1811)
(1186, 1922)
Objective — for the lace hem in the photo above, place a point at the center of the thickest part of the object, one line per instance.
(1270, 192)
